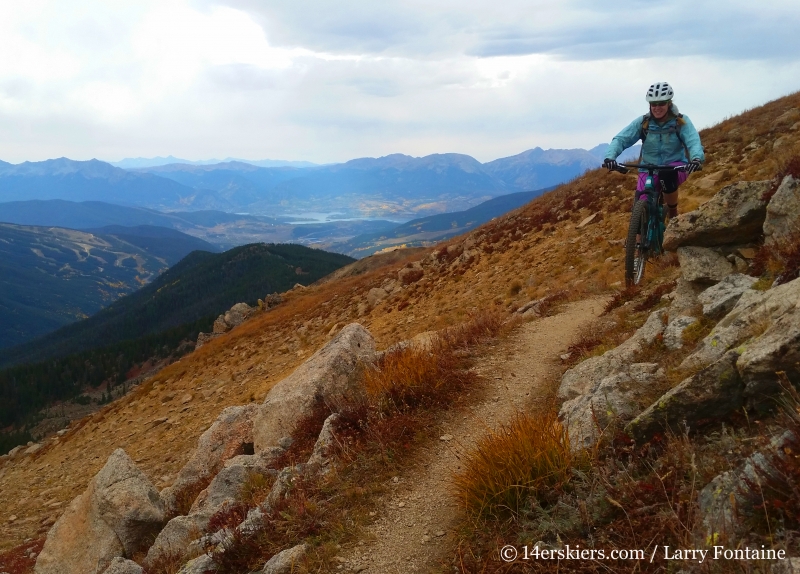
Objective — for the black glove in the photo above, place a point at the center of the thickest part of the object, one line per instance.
(610, 164)
(693, 166)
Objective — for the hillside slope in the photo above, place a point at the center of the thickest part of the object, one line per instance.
(534, 251)
(50, 277)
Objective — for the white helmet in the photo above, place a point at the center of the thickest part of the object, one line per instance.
(660, 92)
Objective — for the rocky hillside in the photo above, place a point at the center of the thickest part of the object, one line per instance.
(562, 245)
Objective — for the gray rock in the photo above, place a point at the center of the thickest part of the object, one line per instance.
(587, 374)
(734, 215)
(673, 334)
(128, 502)
(320, 458)
(329, 373)
(203, 338)
(703, 265)
(225, 488)
(411, 273)
(776, 349)
(230, 435)
(752, 315)
(79, 541)
(173, 541)
(200, 565)
(220, 326)
(720, 298)
(120, 565)
(783, 212)
(117, 515)
(283, 484)
(616, 398)
(285, 562)
(719, 500)
(684, 297)
(715, 391)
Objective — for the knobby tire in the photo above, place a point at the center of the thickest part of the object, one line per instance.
(635, 252)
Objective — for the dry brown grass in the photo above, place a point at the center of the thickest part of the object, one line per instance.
(526, 459)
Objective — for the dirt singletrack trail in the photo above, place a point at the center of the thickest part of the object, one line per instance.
(413, 531)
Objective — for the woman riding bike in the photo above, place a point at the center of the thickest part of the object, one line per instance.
(668, 138)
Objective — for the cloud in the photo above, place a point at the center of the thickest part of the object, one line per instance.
(325, 81)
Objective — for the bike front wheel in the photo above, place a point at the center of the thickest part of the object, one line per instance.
(635, 252)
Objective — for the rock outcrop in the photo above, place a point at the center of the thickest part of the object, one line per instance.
(720, 299)
(703, 265)
(326, 374)
(117, 515)
(234, 317)
(230, 435)
(586, 375)
(720, 499)
(716, 391)
(783, 212)
(734, 215)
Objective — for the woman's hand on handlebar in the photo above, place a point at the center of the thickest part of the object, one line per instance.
(610, 164)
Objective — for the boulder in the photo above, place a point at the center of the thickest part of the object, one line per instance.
(220, 326)
(126, 500)
(122, 566)
(79, 541)
(328, 373)
(230, 435)
(286, 561)
(703, 265)
(734, 215)
(224, 489)
(719, 299)
(411, 273)
(714, 392)
(673, 334)
(752, 315)
(117, 515)
(585, 376)
(172, 542)
(617, 398)
(783, 212)
(776, 349)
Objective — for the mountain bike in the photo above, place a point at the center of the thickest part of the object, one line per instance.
(646, 229)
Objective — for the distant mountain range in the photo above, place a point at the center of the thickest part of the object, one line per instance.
(51, 276)
(395, 186)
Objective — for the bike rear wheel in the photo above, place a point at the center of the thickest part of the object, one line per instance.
(635, 252)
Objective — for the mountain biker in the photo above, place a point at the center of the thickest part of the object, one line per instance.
(668, 138)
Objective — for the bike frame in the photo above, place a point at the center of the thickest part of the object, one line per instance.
(654, 241)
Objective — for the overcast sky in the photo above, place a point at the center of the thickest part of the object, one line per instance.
(329, 81)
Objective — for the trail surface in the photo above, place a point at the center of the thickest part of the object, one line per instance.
(413, 531)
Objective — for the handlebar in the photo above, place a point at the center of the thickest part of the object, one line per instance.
(650, 167)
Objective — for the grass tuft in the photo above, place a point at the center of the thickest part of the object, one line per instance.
(513, 465)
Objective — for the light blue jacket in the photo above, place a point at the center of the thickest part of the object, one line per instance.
(663, 144)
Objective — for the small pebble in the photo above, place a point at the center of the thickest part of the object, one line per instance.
(446, 437)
